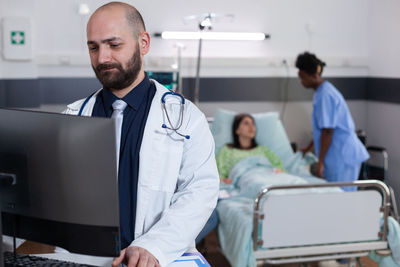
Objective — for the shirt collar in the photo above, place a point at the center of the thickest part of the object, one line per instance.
(134, 98)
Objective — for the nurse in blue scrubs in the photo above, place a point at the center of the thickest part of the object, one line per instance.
(340, 152)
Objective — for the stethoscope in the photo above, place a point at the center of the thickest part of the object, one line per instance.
(181, 115)
(163, 107)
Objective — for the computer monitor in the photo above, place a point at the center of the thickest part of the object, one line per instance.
(66, 191)
(166, 78)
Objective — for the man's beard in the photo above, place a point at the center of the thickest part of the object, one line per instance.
(123, 77)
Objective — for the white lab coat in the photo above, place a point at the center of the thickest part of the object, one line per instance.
(178, 178)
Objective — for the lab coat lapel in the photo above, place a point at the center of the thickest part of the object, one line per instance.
(88, 109)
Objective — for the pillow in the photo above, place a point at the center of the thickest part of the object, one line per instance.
(221, 128)
(270, 132)
(276, 140)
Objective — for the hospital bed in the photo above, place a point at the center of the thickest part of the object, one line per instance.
(328, 226)
(309, 226)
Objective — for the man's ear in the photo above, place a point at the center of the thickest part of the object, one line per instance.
(144, 43)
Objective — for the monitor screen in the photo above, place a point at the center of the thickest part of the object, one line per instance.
(65, 192)
(168, 79)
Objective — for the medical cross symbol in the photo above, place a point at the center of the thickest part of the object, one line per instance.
(17, 37)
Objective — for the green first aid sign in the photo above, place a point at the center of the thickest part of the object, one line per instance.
(17, 37)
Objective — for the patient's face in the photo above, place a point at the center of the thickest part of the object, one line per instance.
(246, 128)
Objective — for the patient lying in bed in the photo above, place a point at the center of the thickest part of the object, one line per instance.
(252, 173)
(245, 168)
(243, 146)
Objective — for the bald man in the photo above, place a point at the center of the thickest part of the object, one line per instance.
(168, 184)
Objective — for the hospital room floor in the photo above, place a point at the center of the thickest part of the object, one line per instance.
(212, 252)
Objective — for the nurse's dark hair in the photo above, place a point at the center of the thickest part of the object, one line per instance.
(133, 16)
(235, 125)
(309, 63)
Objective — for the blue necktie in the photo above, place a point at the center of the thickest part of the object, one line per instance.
(118, 116)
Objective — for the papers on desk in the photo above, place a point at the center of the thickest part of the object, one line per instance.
(193, 259)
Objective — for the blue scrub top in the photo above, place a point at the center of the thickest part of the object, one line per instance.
(331, 111)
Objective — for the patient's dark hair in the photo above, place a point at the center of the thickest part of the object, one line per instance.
(309, 63)
(236, 122)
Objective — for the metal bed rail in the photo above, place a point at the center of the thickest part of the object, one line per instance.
(382, 187)
(315, 258)
(393, 203)
(319, 252)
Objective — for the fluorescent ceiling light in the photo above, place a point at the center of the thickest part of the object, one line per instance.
(234, 36)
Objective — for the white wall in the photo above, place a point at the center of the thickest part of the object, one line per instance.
(59, 34)
(383, 125)
(384, 39)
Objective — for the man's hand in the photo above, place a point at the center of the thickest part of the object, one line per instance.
(136, 257)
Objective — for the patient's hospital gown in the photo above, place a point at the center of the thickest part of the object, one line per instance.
(229, 156)
(346, 152)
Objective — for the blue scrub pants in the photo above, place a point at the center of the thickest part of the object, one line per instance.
(342, 172)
